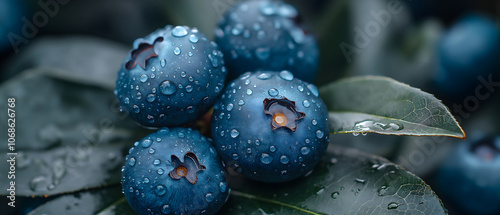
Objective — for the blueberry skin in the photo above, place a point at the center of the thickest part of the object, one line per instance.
(177, 86)
(245, 138)
(470, 177)
(471, 48)
(148, 186)
(263, 35)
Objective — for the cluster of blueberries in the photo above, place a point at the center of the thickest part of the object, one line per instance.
(268, 123)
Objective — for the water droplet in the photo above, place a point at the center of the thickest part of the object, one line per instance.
(300, 88)
(266, 158)
(131, 162)
(234, 133)
(189, 88)
(160, 171)
(126, 100)
(287, 10)
(359, 180)
(181, 135)
(393, 205)
(209, 197)
(273, 92)
(229, 107)
(138, 96)
(213, 60)
(249, 92)
(319, 134)
(263, 53)
(382, 190)
(241, 103)
(193, 38)
(151, 97)
(163, 62)
(306, 103)
(146, 143)
(160, 190)
(179, 31)
(165, 209)
(304, 150)
(272, 148)
(143, 78)
(284, 159)
(286, 75)
(151, 151)
(36, 181)
(238, 29)
(314, 122)
(145, 180)
(222, 187)
(167, 88)
(156, 162)
(335, 195)
(235, 156)
(264, 76)
(313, 89)
(267, 9)
(177, 51)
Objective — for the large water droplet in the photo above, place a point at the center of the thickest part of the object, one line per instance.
(286, 75)
(234, 133)
(177, 51)
(284, 159)
(143, 78)
(313, 89)
(179, 31)
(249, 92)
(163, 62)
(393, 205)
(306, 103)
(209, 197)
(319, 134)
(264, 76)
(36, 181)
(241, 103)
(151, 97)
(305, 150)
(160, 190)
(229, 107)
(266, 158)
(335, 195)
(167, 88)
(131, 162)
(273, 92)
(136, 109)
(145, 180)
(156, 162)
(193, 38)
(146, 143)
(160, 171)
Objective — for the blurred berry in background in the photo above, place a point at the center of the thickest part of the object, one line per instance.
(469, 180)
(469, 50)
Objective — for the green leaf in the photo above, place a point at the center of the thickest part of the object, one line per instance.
(51, 112)
(85, 60)
(385, 106)
(69, 136)
(66, 169)
(345, 182)
(87, 202)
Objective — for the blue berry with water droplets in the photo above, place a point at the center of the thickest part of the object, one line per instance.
(174, 171)
(170, 77)
(270, 126)
(266, 35)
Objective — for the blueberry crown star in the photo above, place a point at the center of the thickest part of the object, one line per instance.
(187, 169)
(142, 54)
(283, 112)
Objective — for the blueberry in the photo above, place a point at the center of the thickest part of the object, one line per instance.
(469, 179)
(174, 171)
(170, 77)
(264, 35)
(270, 126)
(470, 49)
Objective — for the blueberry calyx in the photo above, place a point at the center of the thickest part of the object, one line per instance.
(186, 169)
(142, 54)
(283, 112)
